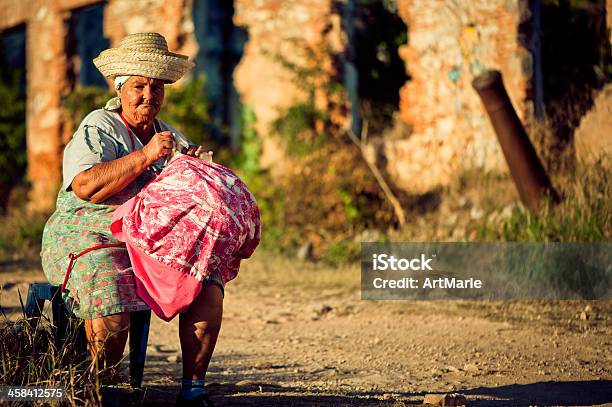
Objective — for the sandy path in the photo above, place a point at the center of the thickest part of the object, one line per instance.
(308, 343)
(295, 346)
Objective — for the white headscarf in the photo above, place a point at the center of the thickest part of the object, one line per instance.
(120, 80)
(115, 103)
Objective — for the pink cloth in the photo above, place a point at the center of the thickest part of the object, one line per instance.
(195, 218)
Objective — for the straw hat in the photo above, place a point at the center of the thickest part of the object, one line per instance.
(143, 54)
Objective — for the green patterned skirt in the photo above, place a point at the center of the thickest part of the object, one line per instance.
(101, 282)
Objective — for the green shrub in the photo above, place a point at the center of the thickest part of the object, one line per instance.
(12, 135)
(247, 160)
(82, 101)
(297, 127)
(187, 108)
(326, 190)
(269, 197)
(341, 251)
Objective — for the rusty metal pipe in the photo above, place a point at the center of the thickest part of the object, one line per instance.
(527, 172)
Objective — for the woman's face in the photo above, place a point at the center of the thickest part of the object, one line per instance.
(141, 99)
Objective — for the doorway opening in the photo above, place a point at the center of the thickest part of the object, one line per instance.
(221, 46)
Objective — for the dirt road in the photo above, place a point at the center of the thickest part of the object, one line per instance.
(296, 334)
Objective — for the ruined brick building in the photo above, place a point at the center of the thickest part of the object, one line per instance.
(236, 45)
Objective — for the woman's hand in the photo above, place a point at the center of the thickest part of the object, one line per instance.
(199, 152)
(159, 146)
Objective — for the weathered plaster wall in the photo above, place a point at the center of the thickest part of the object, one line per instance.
(449, 42)
(47, 83)
(171, 18)
(280, 28)
(13, 12)
(275, 28)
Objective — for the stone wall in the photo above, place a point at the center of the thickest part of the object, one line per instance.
(171, 18)
(46, 83)
(449, 42)
(593, 138)
(47, 79)
(276, 29)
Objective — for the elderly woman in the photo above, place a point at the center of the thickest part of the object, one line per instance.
(113, 154)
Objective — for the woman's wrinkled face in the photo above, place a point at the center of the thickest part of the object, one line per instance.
(141, 99)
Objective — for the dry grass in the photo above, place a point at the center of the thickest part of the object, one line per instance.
(30, 358)
(486, 208)
(584, 215)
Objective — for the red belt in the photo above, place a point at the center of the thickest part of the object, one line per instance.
(74, 256)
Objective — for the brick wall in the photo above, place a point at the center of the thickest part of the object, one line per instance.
(278, 29)
(171, 18)
(449, 41)
(47, 83)
(263, 83)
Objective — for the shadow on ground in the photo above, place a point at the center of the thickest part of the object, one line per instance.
(12, 265)
(241, 384)
(265, 395)
(578, 393)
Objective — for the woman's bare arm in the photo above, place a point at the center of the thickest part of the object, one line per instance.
(106, 179)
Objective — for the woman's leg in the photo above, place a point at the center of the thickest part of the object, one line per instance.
(199, 328)
(107, 337)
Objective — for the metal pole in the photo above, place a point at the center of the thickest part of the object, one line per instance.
(526, 170)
